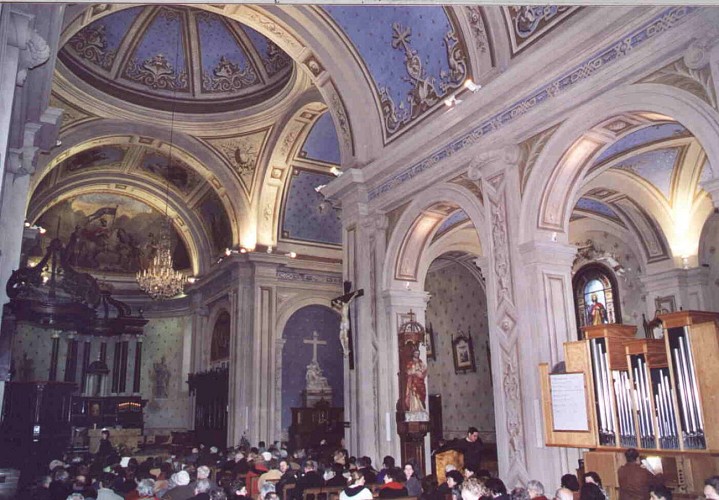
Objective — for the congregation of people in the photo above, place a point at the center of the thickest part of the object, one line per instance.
(272, 473)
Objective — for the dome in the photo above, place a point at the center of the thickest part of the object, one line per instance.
(181, 58)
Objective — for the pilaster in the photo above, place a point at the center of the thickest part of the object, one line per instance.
(688, 288)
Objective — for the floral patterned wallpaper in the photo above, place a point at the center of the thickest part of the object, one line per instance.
(459, 303)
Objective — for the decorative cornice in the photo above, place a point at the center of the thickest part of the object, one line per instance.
(600, 60)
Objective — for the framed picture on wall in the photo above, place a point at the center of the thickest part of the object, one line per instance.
(463, 353)
(665, 305)
(429, 339)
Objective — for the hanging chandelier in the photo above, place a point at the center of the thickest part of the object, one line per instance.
(160, 280)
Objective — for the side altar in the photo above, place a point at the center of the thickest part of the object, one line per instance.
(316, 420)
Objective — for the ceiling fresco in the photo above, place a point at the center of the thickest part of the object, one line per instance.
(307, 216)
(97, 157)
(528, 23)
(214, 217)
(415, 56)
(321, 143)
(453, 220)
(597, 207)
(654, 166)
(109, 233)
(178, 58)
(642, 137)
(177, 173)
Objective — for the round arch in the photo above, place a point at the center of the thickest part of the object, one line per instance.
(202, 160)
(218, 309)
(419, 223)
(564, 161)
(192, 232)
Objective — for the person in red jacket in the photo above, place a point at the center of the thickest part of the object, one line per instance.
(393, 486)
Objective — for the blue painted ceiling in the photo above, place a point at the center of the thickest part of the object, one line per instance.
(452, 220)
(322, 143)
(307, 215)
(641, 137)
(597, 207)
(654, 166)
(182, 58)
(414, 55)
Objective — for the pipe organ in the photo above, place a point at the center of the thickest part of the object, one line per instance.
(655, 395)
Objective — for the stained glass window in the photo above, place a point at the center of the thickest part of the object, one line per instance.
(595, 296)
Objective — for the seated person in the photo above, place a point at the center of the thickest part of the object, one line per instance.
(393, 487)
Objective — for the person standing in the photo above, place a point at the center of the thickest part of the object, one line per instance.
(635, 481)
(472, 447)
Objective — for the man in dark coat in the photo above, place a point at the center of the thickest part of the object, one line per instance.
(634, 480)
(310, 479)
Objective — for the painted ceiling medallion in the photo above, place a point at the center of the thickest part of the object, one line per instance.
(176, 57)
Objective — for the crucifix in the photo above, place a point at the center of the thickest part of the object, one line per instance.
(342, 303)
(315, 341)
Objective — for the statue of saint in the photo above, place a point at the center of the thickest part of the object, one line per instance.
(161, 378)
(416, 390)
(597, 312)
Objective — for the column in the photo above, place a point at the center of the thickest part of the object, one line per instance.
(137, 375)
(530, 314)
(71, 359)
(687, 288)
(52, 376)
(87, 346)
(263, 361)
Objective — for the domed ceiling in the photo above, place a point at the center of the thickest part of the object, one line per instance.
(178, 58)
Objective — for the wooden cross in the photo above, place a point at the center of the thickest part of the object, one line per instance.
(315, 342)
(342, 303)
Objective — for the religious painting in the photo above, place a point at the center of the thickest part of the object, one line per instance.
(109, 233)
(176, 173)
(100, 156)
(595, 296)
(429, 341)
(463, 354)
(665, 305)
(217, 224)
(220, 345)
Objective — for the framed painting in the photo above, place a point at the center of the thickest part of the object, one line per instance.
(665, 305)
(463, 354)
(429, 339)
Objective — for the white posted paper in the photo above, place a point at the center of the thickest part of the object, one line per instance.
(569, 403)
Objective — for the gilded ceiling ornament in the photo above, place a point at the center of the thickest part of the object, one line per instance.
(426, 91)
(228, 77)
(157, 73)
(90, 44)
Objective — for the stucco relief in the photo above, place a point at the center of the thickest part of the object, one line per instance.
(695, 79)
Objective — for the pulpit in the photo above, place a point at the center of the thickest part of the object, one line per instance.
(311, 425)
(444, 458)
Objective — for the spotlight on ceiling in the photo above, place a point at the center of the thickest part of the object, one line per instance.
(269, 249)
(291, 255)
(320, 188)
(191, 279)
(243, 250)
(452, 102)
(335, 171)
(471, 86)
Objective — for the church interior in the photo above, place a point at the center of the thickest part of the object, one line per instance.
(373, 225)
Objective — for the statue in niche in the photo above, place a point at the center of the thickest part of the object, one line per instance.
(160, 377)
(26, 370)
(316, 382)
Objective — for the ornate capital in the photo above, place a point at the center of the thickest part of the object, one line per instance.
(505, 157)
(35, 53)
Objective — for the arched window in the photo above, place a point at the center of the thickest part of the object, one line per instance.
(596, 296)
(220, 346)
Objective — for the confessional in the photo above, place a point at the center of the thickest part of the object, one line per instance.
(656, 395)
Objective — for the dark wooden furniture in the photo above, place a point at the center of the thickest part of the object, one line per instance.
(311, 425)
(35, 425)
(107, 411)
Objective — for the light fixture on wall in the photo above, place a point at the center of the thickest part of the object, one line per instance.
(160, 280)
(471, 86)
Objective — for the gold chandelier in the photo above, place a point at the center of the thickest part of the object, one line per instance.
(160, 280)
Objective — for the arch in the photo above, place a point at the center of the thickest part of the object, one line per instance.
(419, 222)
(185, 221)
(284, 145)
(563, 163)
(201, 159)
(464, 239)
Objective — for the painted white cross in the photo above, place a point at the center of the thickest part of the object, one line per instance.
(315, 342)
